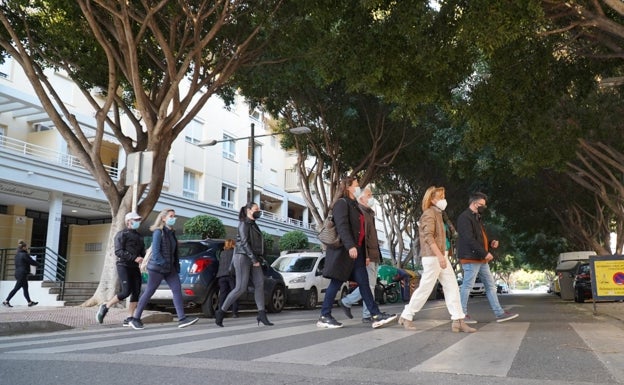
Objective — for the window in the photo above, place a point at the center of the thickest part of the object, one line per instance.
(229, 147)
(227, 196)
(193, 132)
(2, 134)
(256, 114)
(189, 189)
(5, 68)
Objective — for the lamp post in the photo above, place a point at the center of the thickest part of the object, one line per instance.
(295, 131)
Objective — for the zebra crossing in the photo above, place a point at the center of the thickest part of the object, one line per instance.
(496, 350)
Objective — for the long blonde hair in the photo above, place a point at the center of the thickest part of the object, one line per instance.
(431, 193)
(229, 244)
(158, 222)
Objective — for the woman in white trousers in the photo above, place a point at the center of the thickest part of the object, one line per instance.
(436, 265)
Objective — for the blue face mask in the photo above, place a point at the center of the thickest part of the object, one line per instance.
(135, 225)
(170, 222)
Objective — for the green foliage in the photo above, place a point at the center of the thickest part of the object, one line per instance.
(293, 240)
(205, 225)
(268, 242)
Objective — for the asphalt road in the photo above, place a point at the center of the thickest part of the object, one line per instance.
(552, 342)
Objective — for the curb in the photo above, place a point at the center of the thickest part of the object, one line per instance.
(27, 327)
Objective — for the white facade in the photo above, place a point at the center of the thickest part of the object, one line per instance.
(39, 178)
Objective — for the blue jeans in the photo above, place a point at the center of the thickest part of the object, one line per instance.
(355, 295)
(471, 270)
(360, 276)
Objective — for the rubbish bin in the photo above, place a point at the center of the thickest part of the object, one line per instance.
(565, 272)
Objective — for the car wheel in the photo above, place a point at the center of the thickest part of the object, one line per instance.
(578, 296)
(277, 300)
(210, 305)
(311, 299)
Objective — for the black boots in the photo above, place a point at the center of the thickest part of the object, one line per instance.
(262, 317)
(219, 315)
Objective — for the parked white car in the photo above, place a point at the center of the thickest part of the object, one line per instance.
(477, 289)
(303, 275)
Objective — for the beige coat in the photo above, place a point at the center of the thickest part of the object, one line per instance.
(431, 230)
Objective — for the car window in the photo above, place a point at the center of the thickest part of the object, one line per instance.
(189, 249)
(584, 269)
(295, 264)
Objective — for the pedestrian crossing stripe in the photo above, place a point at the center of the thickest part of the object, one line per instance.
(607, 343)
(335, 350)
(136, 337)
(490, 351)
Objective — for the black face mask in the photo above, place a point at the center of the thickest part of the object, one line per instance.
(481, 209)
(257, 214)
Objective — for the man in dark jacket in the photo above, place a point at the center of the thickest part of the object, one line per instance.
(473, 251)
(23, 261)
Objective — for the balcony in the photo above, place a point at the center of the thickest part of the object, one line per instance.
(34, 151)
(17, 149)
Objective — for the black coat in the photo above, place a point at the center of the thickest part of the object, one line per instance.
(249, 240)
(128, 246)
(338, 264)
(23, 262)
(470, 245)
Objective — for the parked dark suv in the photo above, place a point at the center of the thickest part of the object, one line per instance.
(199, 262)
(582, 283)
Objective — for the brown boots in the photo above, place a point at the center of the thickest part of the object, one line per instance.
(459, 325)
(407, 324)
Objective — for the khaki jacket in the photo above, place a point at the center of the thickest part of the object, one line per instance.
(431, 230)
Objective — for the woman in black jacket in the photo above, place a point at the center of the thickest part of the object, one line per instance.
(248, 256)
(23, 261)
(348, 261)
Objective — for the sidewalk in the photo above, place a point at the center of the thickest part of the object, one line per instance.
(37, 319)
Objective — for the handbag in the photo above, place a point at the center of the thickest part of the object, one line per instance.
(327, 233)
(146, 259)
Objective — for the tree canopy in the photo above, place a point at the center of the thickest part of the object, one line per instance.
(156, 63)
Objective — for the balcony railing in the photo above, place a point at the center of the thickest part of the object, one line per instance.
(56, 157)
(32, 150)
(291, 221)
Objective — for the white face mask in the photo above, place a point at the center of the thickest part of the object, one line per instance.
(357, 192)
(371, 202)
(441, 204)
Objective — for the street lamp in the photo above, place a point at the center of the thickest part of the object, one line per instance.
(295, 131)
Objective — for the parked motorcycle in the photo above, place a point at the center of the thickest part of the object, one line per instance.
(383, 293)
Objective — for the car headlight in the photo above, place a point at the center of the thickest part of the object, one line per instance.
(299, 279)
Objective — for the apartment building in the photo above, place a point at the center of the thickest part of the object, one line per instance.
(48, 199)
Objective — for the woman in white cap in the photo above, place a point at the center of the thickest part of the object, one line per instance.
(130, 251)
